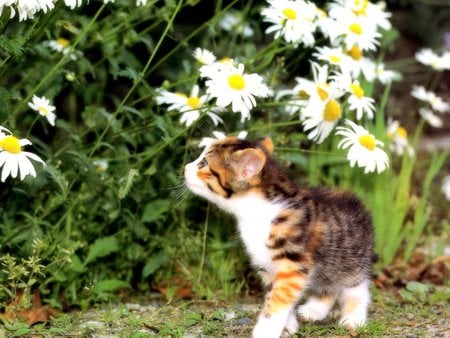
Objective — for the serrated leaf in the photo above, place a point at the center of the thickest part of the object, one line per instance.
(155, 210)
(129, 73)
(154, 263)
(110, 285)
(126, 183)
(102, 247)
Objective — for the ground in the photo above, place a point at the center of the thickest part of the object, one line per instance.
(152, 316)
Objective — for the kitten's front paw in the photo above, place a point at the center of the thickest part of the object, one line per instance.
(291, 325)
(270, 327)
(264, 329)
(353, 321)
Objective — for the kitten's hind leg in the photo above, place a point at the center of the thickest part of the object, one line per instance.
(355, 301)
(316, 307)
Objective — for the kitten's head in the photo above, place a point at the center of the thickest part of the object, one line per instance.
(228, 168)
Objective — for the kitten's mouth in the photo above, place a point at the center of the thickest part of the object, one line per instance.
(192, 185)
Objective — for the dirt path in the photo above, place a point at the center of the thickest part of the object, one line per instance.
(149, 316)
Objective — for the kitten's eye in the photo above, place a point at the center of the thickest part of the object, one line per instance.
(203, 163)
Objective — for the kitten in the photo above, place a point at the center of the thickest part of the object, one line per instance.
(313, 242)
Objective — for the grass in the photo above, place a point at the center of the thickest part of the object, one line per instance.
(389, 315)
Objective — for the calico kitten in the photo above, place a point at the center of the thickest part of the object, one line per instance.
(313, 242)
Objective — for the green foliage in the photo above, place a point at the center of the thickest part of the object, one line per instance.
(420, 293)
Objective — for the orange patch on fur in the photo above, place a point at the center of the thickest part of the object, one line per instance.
(287, 275)
(203, 175)
(350, 305)
(315, 236)
(295, 286)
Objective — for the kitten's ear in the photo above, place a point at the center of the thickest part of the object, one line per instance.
(248, 163)
(268, 144)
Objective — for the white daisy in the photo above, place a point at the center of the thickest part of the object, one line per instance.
(363, 148)
(26, 8)
(234, 22)
(218, 135)
(100, 165)
(429, 58)
(436, 102)
(325, 88)
(63, 46)
(44, 108)
(376, 12)
(356, 30)
(72, 4)
(12, 159)
(446, 187)
(292, 20)
(231, 86)
(398, 137)
(432, 119)
(363, 105)
(320, 117)
(327, 25)
(386, 76)
(333, 56)
(204, 56)
(210, 70)
(298, 96)
(356, 62)
(190, 106)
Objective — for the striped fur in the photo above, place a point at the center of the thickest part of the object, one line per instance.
(303, 241)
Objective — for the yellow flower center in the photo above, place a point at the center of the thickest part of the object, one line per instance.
(321, 13)
(322, 90)
(355, 52)
(303, 94)
(226, 60)
(355, 28)
(402, 132)
(367, 141)
(359, 7)
(236, 82)
(289, 13)
(43, 111)
(63, 42)
(335, 59)
(332, 111)
(193, 102)
(10, 144)
(357, 90)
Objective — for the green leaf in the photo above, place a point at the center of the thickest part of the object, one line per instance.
(417, 288)
(155, 209)
(440, 296)
(126, 183)
(21, 332)
(154, 263)
(77, 265)
(102, 247)
(110, 285)
(407, 296)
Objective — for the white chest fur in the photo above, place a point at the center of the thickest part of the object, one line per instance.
(254, 215)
